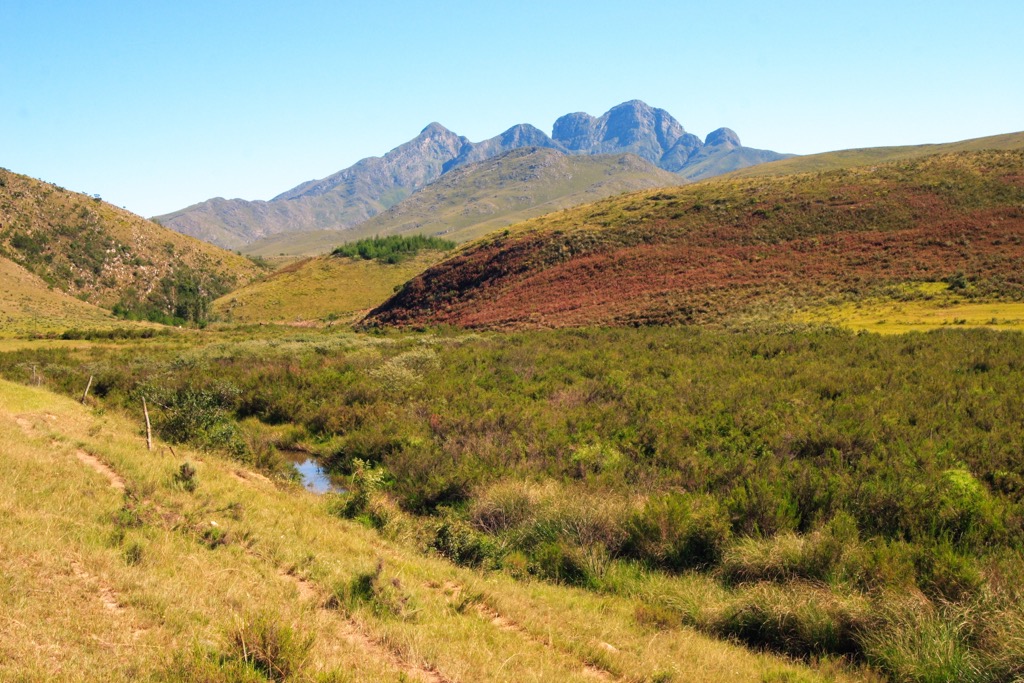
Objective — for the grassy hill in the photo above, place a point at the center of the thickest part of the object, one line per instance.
(323, 288)
(848, 158)
(473, 200)
(742, 249)
(121, 564)
(110, 257)
(30, 307)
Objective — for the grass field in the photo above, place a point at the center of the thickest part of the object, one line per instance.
(120, 564)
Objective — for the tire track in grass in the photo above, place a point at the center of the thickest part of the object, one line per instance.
(504, 623)
(357, 637)
(307, 590)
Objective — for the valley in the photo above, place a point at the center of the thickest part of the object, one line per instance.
(759, 427)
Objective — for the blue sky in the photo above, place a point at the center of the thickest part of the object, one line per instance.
(159, 105)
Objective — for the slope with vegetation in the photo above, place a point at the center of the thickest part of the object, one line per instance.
(322, 289)
(111, 257)
(734, 250)
(29, 307)
(848, 158)
(122, 564)
(817, 493)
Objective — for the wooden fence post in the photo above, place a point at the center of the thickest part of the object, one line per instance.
(149, 429)
(87, 387)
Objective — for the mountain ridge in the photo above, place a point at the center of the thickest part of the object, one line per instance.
(374, 184)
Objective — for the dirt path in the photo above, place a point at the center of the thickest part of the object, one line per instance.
(29, 428)
(116, 482)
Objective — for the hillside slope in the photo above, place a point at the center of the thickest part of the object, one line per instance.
(324, 288)
(125, 564)
(472, 200)
(108, 256)
(29, 306)
(726, 250)
(848, 158)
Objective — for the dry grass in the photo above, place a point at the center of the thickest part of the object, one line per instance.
(320, 289)
(917, 307)
(28, 306)
(103, 585)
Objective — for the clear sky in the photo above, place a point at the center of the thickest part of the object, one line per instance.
(158, 105)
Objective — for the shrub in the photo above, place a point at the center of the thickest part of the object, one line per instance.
(504, 506)
(797, 620)
(185, 477)
(461, 544)
(365, 483)
(275, 650)
(917, 643)
(678, 532)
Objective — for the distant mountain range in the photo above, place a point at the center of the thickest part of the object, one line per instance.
(373, 185)
(475, 198)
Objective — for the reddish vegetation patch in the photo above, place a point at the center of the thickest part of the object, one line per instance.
(688, 261)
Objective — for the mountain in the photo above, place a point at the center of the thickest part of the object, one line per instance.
(472, 200)
(109, 257)
(338, 201)
(375, 184)
(728, 250)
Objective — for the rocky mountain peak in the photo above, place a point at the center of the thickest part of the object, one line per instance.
(435, 129)
(574, 131)
(374, 184)
(723, 136)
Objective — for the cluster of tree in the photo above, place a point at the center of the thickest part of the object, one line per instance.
(393, 248)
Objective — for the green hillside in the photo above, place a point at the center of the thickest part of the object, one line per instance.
(320, 289)
(848, 158)
(29, 307)
(122, 564)
(741, 250)
(110, 257)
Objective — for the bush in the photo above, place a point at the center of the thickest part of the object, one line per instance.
(461, 544)
(678, 532)
(795, 620)
(276, 651)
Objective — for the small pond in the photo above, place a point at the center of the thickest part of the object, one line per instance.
(313, 477)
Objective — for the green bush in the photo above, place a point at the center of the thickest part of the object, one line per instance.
(678, 532)
(461, 544)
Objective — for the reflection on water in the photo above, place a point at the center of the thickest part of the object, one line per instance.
(313, 476)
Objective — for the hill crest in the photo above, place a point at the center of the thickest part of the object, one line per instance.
(727, 249)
